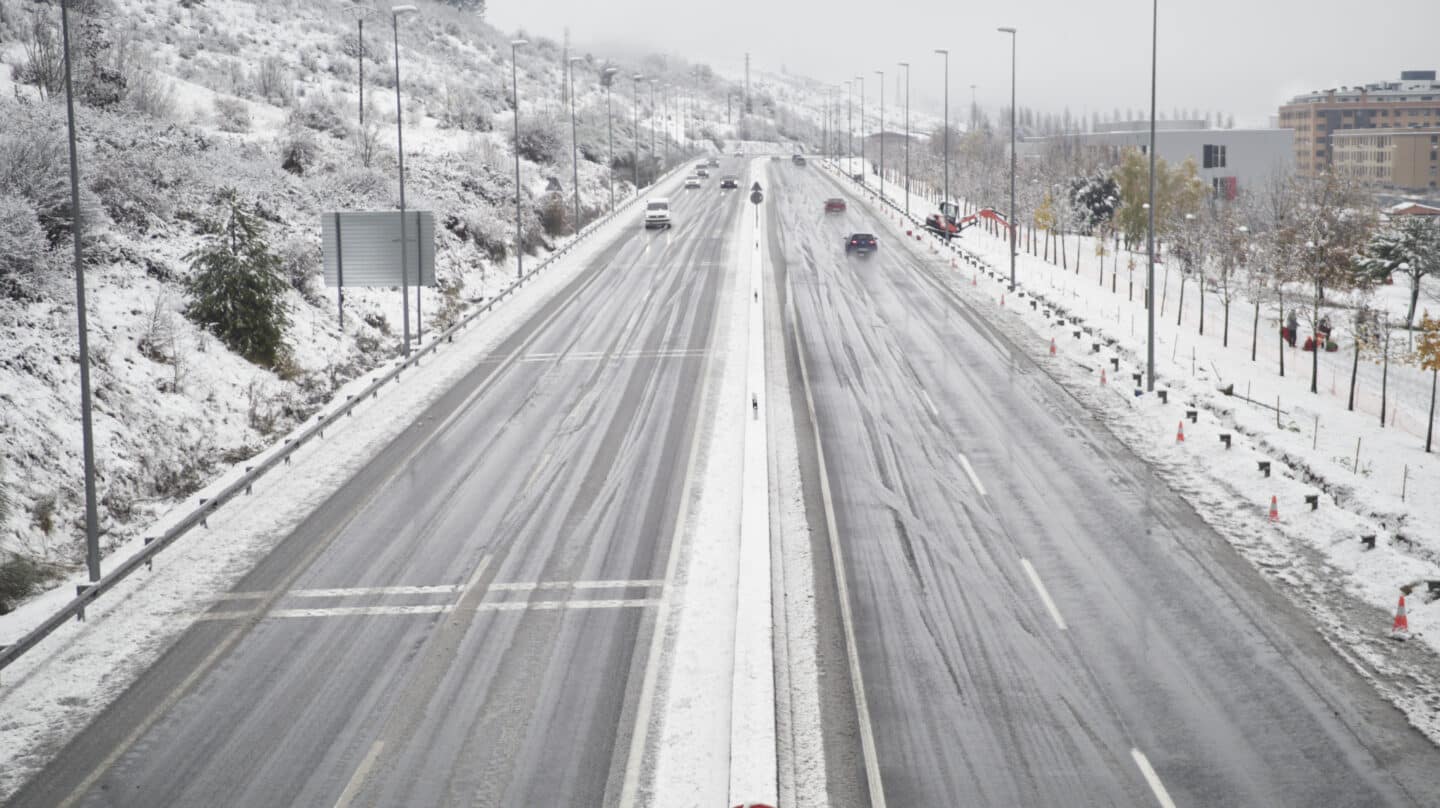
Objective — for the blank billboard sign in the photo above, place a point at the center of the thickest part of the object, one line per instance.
(362, 248)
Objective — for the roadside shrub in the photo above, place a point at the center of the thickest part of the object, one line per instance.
(539, 140)
(298, 149)
(318, 112)
(232, 115)
(555, 216)
(22, 249)
(21, 576)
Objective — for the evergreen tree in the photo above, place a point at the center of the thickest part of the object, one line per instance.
(238, 289)
(1411, 247)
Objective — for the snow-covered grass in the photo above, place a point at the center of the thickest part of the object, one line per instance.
(1315, 556)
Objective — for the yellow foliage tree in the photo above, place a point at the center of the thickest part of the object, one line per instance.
(1427, 349)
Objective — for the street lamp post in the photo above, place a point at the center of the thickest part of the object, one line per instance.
(653, 82)
(395, 13)
(515, 45)
(849, 127)
(1150, 237)
(864, 169)
(609, 79)
(87, 433)
(946, 191)
(635, 132)
(574, 142)
(906, 65)
(1013, 37)
(881, 130)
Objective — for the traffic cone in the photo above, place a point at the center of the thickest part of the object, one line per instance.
(1052, 349)
(1274, 509)
(1400, 630)
(1102, 384)
(1002, 301)
(1179, 435)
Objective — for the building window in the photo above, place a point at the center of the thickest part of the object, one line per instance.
(1214, 156)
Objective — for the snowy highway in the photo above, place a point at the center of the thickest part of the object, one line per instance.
(1036, 618)
(469, 621)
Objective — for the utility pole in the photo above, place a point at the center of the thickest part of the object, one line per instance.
(1150, 271)
(946, 53)
(881, 74)
(748, 108)
(906, 65)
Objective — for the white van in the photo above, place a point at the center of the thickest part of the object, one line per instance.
(657, 213)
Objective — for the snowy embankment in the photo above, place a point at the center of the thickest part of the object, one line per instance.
(1314, 555)
(53, 691)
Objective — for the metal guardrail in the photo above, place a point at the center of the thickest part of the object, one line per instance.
(89, 593)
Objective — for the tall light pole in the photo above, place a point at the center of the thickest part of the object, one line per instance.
(515, 45)
(864, 169)
(946, 191)
(1150, 249)
(574, 142)
(87, 433)
(849, 127)
(395, 13)
(653, 82)
(906, 65)
(361, 12)
(608, 79)
(973, 107)
(881, 130)
(1013, 37)
(635, 133)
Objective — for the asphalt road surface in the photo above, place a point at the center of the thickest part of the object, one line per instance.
(467, 621)
(1038, 619)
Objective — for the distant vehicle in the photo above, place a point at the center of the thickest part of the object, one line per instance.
(714, 162)
(739, 153)
(657, 213)
(798, 159)
(858, 176)
(861, 244)
(703, 164)
(834, 205)
(729, 183)
(702, 173)
(692, 181)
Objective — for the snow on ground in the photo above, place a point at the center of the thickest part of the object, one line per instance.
(1316, 557)
(54, 690)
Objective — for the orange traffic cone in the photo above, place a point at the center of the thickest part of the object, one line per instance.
(1180, 435)
(1052, 350)
(1102, 384)
(1002, 300)
(1401, 628)
(1274, 509)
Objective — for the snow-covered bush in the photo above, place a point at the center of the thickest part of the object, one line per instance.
(272, 81)
(483, 225)
(539, 140)
(300, 260)
(232, 115)
(20, 576)
(555, 215)
(298, 149)
(22, 246)
(318, 112)
(463, 107)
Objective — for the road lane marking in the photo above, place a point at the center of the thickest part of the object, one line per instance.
(362, 611)
(1152, 779)
(475, 576)
(930, 404)
(970, 471)
(1044, 593)
(556, 605)
(548, 585)
(352, 788)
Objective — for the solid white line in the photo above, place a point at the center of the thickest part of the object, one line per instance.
(372, 590)
(969, 470)
(1152, 778)
(547, 585)
(930, 404)
(556, 605)
(1044, 593)
(362, 611)
(352, 788)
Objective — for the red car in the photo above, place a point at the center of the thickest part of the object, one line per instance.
(835, 205)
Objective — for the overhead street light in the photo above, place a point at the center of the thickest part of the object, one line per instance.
(906, 65)
(1013, 37)
(608, 79)
(863, 168)
(881, 74)
(396, 12)
(635, 132)
(574, 142)
(1150, 238)
(515, 45)
(946, 53)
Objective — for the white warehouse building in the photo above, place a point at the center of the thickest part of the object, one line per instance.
(1229, 160)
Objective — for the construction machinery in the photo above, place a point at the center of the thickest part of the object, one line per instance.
(948, 223)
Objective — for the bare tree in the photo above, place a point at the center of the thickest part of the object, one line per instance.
(1333, 225)
(44, 64)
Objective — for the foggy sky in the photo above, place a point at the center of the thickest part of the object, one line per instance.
(1240, 56)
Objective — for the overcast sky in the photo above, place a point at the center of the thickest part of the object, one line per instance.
(1240, 56)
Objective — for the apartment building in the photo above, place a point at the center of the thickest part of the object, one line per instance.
(1399, 159)
(1413, 102)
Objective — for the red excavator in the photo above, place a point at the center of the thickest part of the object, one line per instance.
(949, 224)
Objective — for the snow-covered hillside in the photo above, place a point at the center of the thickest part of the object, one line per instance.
(263, 97)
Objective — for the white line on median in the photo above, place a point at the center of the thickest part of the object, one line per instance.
(362, 611)
(1044, 593)
(546, 585)
(352, 788)
(555, 605)
(1152, 779)
(970, 471)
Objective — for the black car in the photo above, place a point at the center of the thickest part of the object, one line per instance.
(798, 160)
(861, 244)
(728, 184)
